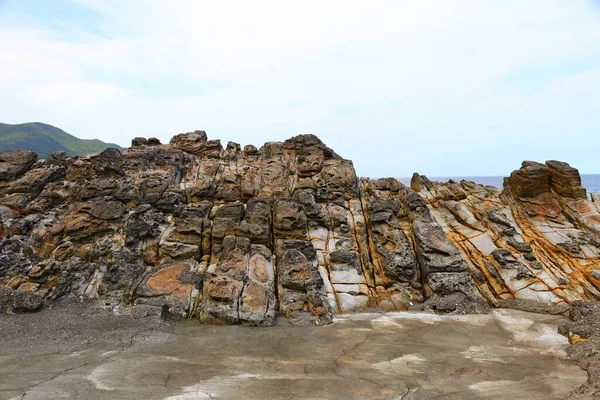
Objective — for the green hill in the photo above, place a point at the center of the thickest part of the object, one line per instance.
(44, 139)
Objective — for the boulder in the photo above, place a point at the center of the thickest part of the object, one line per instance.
(530, 180)
(565, 180)
(14, 163)
(191, 142)
(250, 150)
(139, 141)
(26, 302)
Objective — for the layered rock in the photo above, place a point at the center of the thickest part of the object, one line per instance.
(232, 235)
(536, 240)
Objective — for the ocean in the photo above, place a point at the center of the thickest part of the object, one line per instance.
(590, 182)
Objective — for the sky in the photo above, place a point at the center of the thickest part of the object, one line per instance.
(444, 88)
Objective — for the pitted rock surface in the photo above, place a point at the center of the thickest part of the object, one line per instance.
(243, 235)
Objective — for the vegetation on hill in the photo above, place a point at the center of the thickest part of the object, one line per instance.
(44, 139)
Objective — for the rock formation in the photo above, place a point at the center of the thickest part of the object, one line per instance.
(242, 235)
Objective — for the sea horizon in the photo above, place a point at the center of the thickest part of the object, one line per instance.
(591, 182)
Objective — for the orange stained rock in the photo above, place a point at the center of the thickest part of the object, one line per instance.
(166, 281)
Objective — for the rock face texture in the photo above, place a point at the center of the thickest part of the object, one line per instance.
(538, 239)
(242, 235)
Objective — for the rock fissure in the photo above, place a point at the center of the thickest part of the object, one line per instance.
(102, 360)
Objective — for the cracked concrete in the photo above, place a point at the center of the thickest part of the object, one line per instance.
(84, 353)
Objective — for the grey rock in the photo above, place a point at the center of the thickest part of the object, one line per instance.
(26, 302)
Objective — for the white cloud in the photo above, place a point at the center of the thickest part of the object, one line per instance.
(396, 86)
(74, 93)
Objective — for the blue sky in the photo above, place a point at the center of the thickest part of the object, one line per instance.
(459, 87)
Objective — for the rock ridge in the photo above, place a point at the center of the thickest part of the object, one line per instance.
(242, 235)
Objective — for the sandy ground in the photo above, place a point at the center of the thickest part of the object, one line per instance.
(79, 353)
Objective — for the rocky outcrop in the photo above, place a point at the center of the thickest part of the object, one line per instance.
(243, 235)
(535, 240)
(583, 331)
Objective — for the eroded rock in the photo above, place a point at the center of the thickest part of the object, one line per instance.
(239, 235)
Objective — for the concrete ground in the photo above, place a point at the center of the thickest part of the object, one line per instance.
(79, 353)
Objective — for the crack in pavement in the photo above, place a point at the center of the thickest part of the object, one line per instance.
(88, 363)
(370, 381)
(50, 379)
(346, 351)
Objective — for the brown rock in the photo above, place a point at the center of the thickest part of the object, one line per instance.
(232, 150)
(531, 180)
(257, 222)
(420, 182)
(250, 150)
(168, 282)
(287, 230)
(179, 251)
(14, 163)
(139, 141)
(191, 142)
(565, 180)
(224, 290)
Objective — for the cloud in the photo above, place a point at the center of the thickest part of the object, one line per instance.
(74, 93)
(444, 88)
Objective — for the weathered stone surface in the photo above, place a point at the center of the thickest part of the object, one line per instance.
(241, 236)
(25, 301)
(250, 150)
(190, 142)
(437, 253)
(257, 224)
(226, 218)
(527, 242)
(394, 252)
(541, 188)
(565, 180)
(154, 141)
(14, 163)
(139, 141)
(170, 283)
(6, 299)
(531, 180)
(583, 331)
(302, 288)
(289, 220)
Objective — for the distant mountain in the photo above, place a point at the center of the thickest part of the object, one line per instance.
(44, 139)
